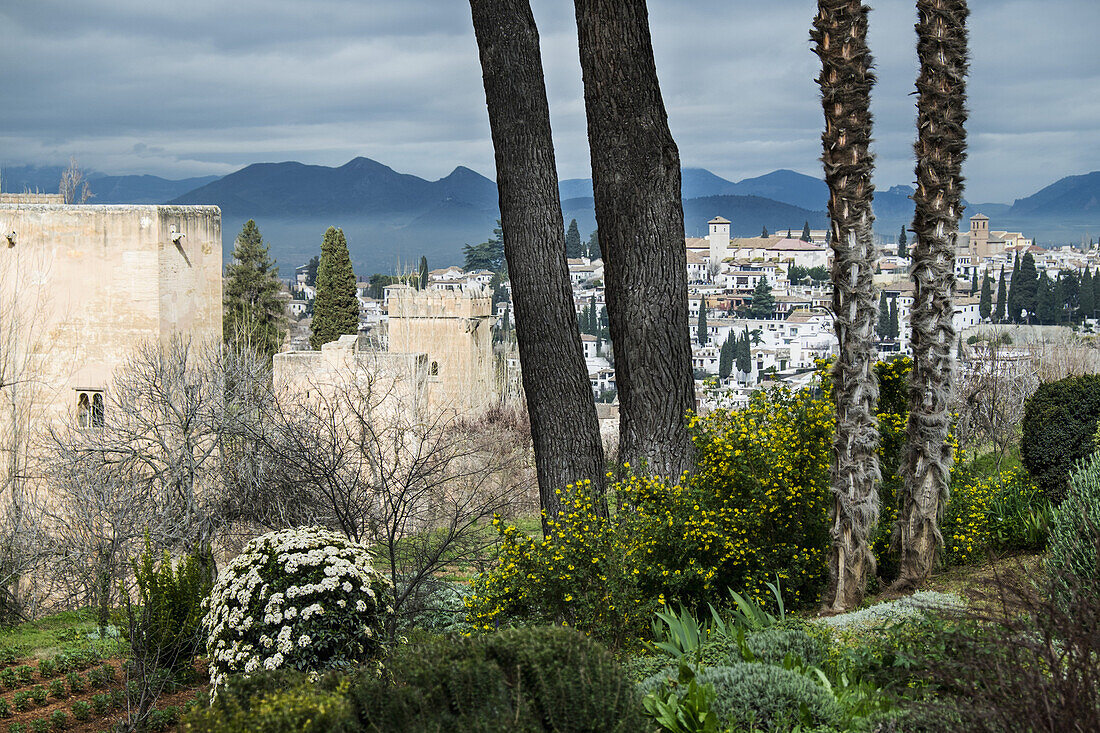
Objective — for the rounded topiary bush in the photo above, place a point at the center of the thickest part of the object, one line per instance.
(1058, 428)
(1074, 559)
(767, 697)
(774, 644)
(304, 598)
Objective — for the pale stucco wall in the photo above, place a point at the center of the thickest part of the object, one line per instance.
(85, 285)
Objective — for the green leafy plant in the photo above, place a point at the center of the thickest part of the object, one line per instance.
(679, 634)
(46, 668)
(303, 708)
(40, 725)
(76, 682)
(38, 692)
(59, 719)
(22, 700)
(686, 712)
(57, 688)
(1074, 558)
(1059, 423)
(5, 709)
(101, 703)
(17, 728)
(25, 674)
(8, 679)
(81, 710)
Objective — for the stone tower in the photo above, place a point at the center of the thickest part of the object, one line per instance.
(719, 237)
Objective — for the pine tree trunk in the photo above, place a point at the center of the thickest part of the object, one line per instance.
(940, 149)
(564, 426)
(840, 34)
(636, 182)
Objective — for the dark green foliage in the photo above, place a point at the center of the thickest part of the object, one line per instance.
(21, 700)
(59, 719)
(57, 688)
(726, 356)
(81, 710)
(763, 302)
(744, 353)
(974, 282)
(336, 309)
(7, 678)
(422, 280)
(17, 728)
(46, 668)
(1058, 428)
(284, 708)
(806, 232)
(592, 249)
(1002, 295)
(985, 306)
(311, 270)
(40, 725)
(25, 674)
(702, 334)
(101, 703)
(253, 315)
(532, 679)
(574, 248)
(169, 630)
(5, 709)
(772, 645)
(38, 693)
(797, 274)
(883, 316)
(764, 232)
(378, 282)
(903, 250)
(489, 255)
(76, 682)
(1086, 299)
(895, 327)
(1045, 307)
(767, 697)
(1028, 285)
(1074, 543)
(1013, 313)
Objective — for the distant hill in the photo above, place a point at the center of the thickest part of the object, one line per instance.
(106, 189)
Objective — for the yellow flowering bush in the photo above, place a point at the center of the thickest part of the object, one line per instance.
(989, 513)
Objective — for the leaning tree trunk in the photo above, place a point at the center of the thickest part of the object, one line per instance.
(840, 34)
(564, 426)
(636, 182)
(941, 149)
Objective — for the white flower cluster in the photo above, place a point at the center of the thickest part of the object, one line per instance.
(269, 603)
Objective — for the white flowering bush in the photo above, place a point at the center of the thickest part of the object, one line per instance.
(304, 598)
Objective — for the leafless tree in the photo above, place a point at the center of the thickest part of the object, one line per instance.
(994, 382)
(73, 187)
(418, 484)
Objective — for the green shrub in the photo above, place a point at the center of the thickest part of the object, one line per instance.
(38, 692)
(304, 598)
(81, 710)
(303, 708)
(168, 629)
(46, 668)
(5, 709)
(40, 725)
(772, 645)
(7, 677)
(8, 655)
(17, 728)
(25, 674)
(1075, 535)
(101, 703)
(533, 679)
(1058, 428)
(108, 672)
(767, 697)
(59, 719)
(57, 688)
(22, 700)
(76, 682)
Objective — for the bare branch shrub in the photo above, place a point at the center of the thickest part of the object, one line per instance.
(73, 187)
(368, 458)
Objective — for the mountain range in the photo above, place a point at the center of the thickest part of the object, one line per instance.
(392, 218)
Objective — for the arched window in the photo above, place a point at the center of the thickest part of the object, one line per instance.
(83, 411)
(97, 410)
(434, 369)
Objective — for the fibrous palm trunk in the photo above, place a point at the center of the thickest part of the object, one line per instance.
(940, 149)
(840, 35)
(639, 215)
(564, 426)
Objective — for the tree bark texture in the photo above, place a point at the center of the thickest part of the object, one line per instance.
(564, 426)
(840, 35)
(941, 150)
(640, 218)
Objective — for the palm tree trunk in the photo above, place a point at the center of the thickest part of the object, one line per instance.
(636, 182)
(840, 34)
(940, 149)
(564, 426)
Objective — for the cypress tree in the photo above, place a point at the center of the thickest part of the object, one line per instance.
(336, 310)
(806, 232)
(883, 316)
(763, 302)
(903, 249)
(1002, 294)
(585, 320)
(1013, 314)
(725, 357)
(253, 316)
(764, 233)
(311, 271)
(1029, 285)
(985, 306)
(573, 246)
(1061, 298)
(744, 353)
(974, 282)
(422, 282)
(1096, 291)
(895, 327)
(1045, 307)
(701, 327)
(593, 316)
(1087, 299)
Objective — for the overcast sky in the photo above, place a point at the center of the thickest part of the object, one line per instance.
(208, 86)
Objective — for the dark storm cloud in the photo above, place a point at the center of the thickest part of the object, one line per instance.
(206, 87)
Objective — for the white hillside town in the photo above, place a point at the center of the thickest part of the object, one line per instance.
(765, 301)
